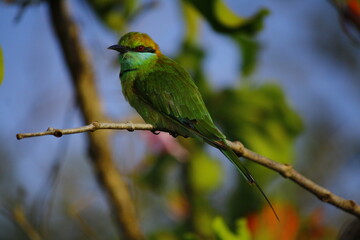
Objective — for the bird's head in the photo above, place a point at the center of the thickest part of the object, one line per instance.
(136, 42)
(136, 50)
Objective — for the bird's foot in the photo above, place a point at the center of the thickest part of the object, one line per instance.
(174, 134)
(155, 132)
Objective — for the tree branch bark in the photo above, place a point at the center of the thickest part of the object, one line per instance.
(286, 170)
(78, 62)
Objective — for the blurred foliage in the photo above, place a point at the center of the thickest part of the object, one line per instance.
(242, 30)
(260, 117)
(222, 232)
(117, 14)
(204, 181)
(1, 66)
(155, 174)
(114, 13)
(225, 21)
(263, 226)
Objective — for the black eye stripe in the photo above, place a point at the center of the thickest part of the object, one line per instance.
(149, 49)
(146, 49)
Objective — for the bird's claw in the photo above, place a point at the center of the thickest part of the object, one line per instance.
(155, 132)
(174, 134)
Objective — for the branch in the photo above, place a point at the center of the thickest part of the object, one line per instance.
(286, 170)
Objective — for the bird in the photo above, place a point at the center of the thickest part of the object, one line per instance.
(165, 96)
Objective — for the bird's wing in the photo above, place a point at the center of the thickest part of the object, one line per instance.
(171, 91)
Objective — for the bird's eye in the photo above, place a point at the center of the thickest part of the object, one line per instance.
(140, 48)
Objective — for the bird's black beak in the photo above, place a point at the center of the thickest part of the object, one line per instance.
(120, 49)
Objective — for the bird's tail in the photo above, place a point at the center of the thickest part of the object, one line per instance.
(229, 153)
(240, 166)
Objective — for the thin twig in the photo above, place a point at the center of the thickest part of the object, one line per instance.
(88, 128)
(286, 170)
(19, 217)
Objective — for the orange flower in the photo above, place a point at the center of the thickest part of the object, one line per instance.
(264, 225)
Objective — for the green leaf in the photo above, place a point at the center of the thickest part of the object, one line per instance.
(242, 229)
(249, 48)
(222, 231)
(242, 30)
(191, 20)
(223, 20)
(2, 71)
(114, 13)
(205, 173)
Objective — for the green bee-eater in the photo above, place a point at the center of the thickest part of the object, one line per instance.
(165, 95)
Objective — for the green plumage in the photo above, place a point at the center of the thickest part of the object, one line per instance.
(168, 89)
(165, 95)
